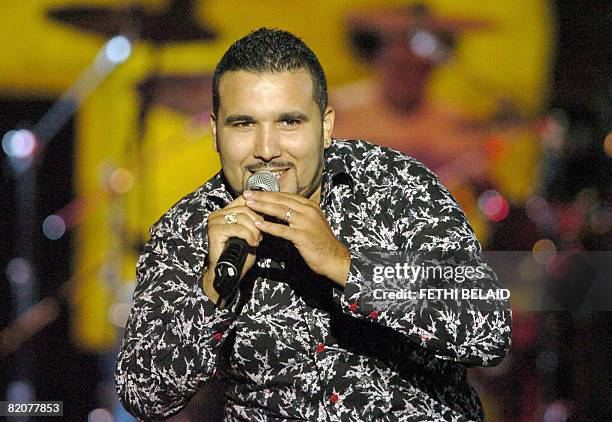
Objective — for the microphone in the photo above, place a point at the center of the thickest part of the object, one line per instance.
(230, 264)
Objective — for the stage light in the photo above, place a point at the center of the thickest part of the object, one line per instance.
(19, 391)
(54, 227)
(118, 49)
(121, 180)
(19, 271)
(118, 314)
(100, 415)
(423, 44)
(7, 142)
(19, 143)
(556, 412)
(544, 250)
(538, 211)
(125, 292)
(494, 206)
(607, 145)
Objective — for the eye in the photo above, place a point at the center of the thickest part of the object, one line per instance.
(289, 122)
(243, 124)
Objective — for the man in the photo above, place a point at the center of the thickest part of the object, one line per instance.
(304, 340)
(404, 46)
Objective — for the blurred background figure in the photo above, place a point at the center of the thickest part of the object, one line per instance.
(404, 46)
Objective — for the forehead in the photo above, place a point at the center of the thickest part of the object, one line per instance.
(243, 91)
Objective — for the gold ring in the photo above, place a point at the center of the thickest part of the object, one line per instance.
(230, 218)
(288, 215)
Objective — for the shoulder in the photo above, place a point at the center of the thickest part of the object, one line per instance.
(372, 165)
(403, 185)
(187, 217)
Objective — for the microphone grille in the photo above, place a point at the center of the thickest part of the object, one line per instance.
(263, 181)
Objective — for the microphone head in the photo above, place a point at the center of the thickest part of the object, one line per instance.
(263, 181)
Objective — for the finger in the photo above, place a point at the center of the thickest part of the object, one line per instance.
(279, 230)
(242, 219)
(247, 231)
(239, 201)
(278, 211)
(242, 210)
(288, 199)
(219, 230)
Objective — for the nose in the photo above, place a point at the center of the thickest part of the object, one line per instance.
(267, 144)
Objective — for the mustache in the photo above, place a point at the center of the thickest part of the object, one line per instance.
(273, 165)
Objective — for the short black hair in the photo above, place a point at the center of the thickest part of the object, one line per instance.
(271, 50)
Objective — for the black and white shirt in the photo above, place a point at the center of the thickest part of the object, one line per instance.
(295, 346)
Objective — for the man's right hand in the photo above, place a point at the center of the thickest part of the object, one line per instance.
(219, 232)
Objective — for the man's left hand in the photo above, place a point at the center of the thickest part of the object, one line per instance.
(306, 228)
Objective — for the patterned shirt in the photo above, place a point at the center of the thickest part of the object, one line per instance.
(294, 345)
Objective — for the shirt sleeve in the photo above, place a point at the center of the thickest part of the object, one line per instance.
(174, 332)
(430, 231)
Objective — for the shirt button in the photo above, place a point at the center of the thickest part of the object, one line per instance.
(374, 314)
(334, 398)
(218, 336)
(320, 348)
(353, 307)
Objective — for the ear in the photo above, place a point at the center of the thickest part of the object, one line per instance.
(213, 130)
(328, 126)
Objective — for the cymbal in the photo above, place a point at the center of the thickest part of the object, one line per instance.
(189, 94)
(176, 24)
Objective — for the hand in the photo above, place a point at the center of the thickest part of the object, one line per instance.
(306, 228)
(219, 232)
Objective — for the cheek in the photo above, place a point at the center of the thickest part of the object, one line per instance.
(234, 152)
(232, 161)
(308, 163)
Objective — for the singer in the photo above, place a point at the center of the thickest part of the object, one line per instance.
(303, 338)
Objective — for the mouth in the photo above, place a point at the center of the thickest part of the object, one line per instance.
(278, 172)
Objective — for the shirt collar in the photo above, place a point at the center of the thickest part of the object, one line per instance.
(335, 172)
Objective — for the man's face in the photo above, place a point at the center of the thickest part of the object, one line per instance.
(404, 74)
(270, 121)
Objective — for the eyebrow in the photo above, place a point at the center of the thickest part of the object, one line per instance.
(293, 115)
(238, 118)
(289, 115)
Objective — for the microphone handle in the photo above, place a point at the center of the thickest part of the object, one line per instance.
(229, 267)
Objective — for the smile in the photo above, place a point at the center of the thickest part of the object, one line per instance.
(278, 172)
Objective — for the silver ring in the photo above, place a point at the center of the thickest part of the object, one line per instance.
(231, 218)
(288, 215)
